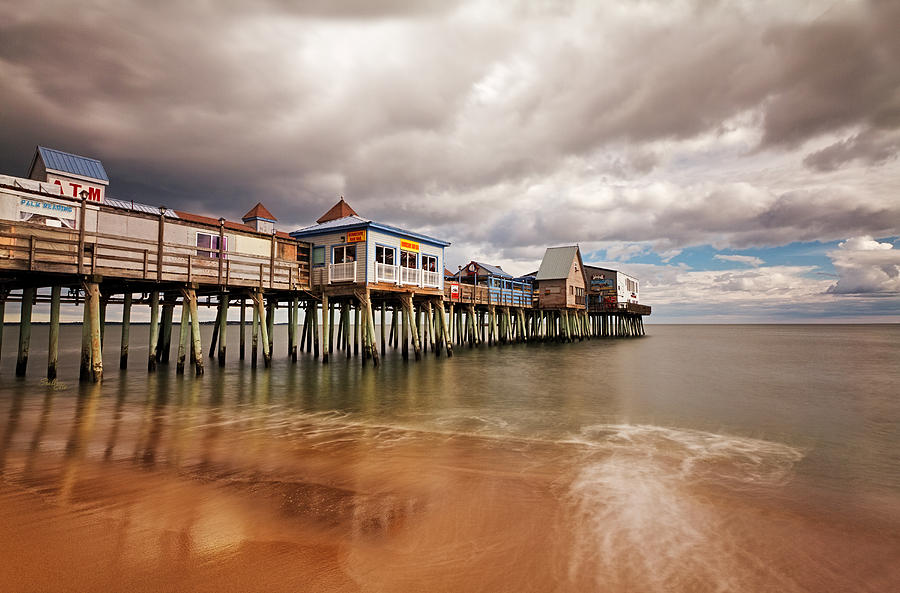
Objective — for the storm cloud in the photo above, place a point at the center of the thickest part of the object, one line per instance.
(503, 127)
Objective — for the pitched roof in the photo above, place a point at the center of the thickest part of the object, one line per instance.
(491, 270)
(557, 262)
(356, 221)
(234, 226)
(495, 270)
(64, 162)
(334, 224)
(340, 210)
(259, 211)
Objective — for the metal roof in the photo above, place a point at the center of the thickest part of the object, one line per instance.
(353, 221)
(136, 207)
(494, 270)
(64, 162)
(337, 223)
(557, 262)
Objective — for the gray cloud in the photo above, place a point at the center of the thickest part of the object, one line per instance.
(507, 127)
(870, 148)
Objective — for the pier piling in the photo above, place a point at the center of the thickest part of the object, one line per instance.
(24, 330)
(53, 343)
(126, 330)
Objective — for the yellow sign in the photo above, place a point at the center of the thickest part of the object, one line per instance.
(409, 245)
(356, 236)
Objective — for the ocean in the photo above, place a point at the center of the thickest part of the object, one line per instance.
(727, 458)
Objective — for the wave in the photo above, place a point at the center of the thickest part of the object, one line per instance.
(636, 514)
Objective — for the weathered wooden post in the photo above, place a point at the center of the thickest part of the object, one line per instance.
(290, 327)
(24, 330)
(164, 345)
(215, 331)
(315, 328)
(154, 330)
(183, 334)
(347, 344)
(370, 318)
(383, 320)
(404, 331)
(53, 344)
(357, 326)
(326, 328)
(243, 325)
(195, 332)
(295, 323)
(263, 329)
(304, 328)
(223, 327)
(92, 290)
(126, 330)
(445, 333)
(330, 339)
(84, 373)
(414, 330)
(254, 334)
(270, 324)
(429, 318)
(341, 314)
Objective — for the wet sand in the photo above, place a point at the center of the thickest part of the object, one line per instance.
(167, 496)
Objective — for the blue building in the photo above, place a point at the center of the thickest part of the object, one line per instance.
(351, 251)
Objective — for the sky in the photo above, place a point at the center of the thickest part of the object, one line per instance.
(739, 158)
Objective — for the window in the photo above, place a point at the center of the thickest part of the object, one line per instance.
(208, 245)
(429, 263)
(318, 256)
(384, 255)
(344, 254)
(408, 259)
(571, 290)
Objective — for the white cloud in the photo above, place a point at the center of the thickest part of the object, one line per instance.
(750, 260)
(866, 266)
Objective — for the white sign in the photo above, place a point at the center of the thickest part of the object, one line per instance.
(47, 212)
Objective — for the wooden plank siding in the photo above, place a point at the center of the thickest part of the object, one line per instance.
(129, 248)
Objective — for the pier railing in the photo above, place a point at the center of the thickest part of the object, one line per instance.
(489, 295)
(619, 308)
(39, 248)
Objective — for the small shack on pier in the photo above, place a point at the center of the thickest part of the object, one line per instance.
(502, 287)
(559, 282)
(349, 251)
(610, 289)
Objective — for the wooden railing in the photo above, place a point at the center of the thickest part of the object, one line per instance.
(483, 295)
(40, 248)
(619, 308)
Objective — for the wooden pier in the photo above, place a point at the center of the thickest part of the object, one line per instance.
(119, 254)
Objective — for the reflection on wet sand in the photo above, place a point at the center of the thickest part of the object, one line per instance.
(238, 495)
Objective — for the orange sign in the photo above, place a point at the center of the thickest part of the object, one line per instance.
(409, 245)
(356, 236)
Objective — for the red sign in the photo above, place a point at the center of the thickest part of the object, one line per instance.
(454, 292)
